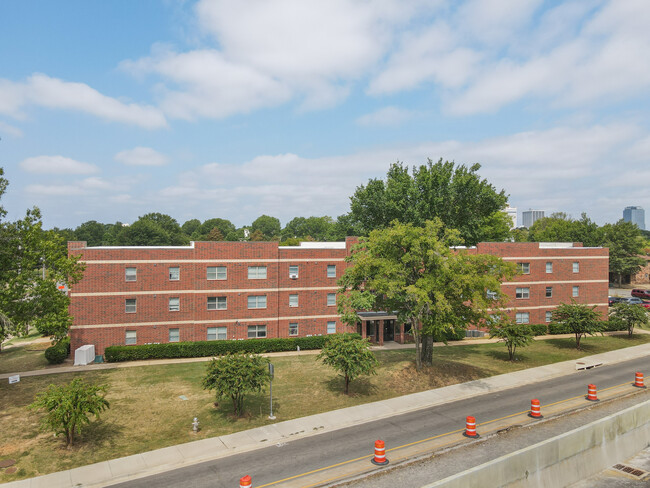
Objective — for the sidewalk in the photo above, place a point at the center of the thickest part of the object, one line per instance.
(161, 460)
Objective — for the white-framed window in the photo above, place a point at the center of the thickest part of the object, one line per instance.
(217, 333)
(549, 266)
(331, 270)
(130, 305)
(293, 329)
(491, 295)
(174, 335)
(257, 301)
(549, 292)
(331, 327)
(293, 300)
(257, 272)
(256, 331)
(524, 268)
(293, 271)
(576, 291)
(331, 299)
(576, 267)
(174, 273)
(522, 317)
(549, 316)
(217, 303)
(522, 293)
(130, 337)
(131, 274)
(217, 273)
(174, 304)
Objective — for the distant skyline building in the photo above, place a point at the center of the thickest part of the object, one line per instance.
(512, 213)
(528, 217)
(636, 215)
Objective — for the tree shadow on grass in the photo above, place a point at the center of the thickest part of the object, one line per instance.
(570, 343)
(359, 387)
(255, 405)
(99, 432)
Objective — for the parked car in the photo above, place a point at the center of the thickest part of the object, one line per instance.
(636, 301)
(613, 300)
(641, 293)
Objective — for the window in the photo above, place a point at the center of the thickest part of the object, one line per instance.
(174, 335)
(175, 273)
(331, 327)
(293, 271)
(576, 291)
(257, 272)
(491, 295)
(331, 270)
(549, 292)
(256, 331)
(524, 268)
(522, 293)
(257, 301)
(130, 305)
(131, 337)
(331, 299)
(217, 273)
(522, 317)
(174, 304)
(217, 333)
(549, 267)
(217, 303)
(549, 316)
(293, 300)
(576, 267)
(293, 329)
(130, 274)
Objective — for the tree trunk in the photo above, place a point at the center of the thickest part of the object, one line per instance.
(427, 349)
(347, 384)
(418, 349)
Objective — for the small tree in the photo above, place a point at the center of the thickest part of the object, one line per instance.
(69, 406)
(233, 375)
(511, 333)
(348, 355)
(629, 315)
(578, 319)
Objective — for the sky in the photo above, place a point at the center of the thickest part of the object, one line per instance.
(201, 109)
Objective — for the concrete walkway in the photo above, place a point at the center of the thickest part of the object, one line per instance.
(161, 460)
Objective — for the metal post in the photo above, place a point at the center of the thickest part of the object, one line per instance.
(271, 371)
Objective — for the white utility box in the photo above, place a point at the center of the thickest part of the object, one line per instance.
(84, 355)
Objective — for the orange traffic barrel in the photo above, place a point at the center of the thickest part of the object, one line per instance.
(535, 410)
(638, 380)
(591, 393)
(245, 482)
(470, 427)
(380, 454)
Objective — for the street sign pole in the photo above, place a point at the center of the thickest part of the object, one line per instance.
(271, 371)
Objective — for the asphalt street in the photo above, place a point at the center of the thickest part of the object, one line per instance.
(274, 465)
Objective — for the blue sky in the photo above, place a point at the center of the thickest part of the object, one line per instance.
(208, 108)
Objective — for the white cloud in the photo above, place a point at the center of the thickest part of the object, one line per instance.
(44, 91)
(57, 165)
(10, 129)
(387, 116)
(141, 156)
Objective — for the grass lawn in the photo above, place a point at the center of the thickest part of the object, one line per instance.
(26, 357)
(146, 412)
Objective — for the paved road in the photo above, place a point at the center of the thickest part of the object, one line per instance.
(278, 462)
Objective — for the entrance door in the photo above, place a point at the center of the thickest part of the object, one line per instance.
(389, 330)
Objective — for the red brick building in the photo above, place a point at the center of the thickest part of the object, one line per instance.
(239, 290)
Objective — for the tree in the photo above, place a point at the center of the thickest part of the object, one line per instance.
(69, 406)
(625, 244)
(224, 226)
(559, 227)
(190, 227)
(413, 272)
(455, 194)
(214, 235)
(257, 236)
(318, 228)
(511, 333)
(578, 319)
(233, 375)
(348, 355)
(629, 315)
(268, 226)
(92, 232)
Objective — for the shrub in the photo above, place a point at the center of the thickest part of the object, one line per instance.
(538, 329)
(211, 348)
(57, 353)
(449, 335)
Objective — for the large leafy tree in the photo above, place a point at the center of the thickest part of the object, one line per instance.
(559, 227)
(224, 226)
(317, 228)
(578, 319)
(69, 407)
(234, 375)
(268, 226)
(33, 265)
(455, 194)
(625, 245)
(92, 232)
(412, 271)
(350, 356)
(512, 334)
(629, 315)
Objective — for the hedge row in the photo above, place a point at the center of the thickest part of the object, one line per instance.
(57, 353)
(211, 348)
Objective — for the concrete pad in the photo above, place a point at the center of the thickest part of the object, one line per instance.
(126, 466)
(91, 474)
(62, 478)
(238, 440)
(165, 456)
(267, 434)
(203, 449)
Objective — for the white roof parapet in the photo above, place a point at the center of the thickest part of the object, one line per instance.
(190, 246)
(555, 245)
(317, 245)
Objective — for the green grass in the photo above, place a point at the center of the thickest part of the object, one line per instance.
(146, 412)
(26, 357)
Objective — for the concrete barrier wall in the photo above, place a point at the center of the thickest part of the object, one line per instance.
(564, 459)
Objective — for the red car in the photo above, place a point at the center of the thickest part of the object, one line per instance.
(641, 293)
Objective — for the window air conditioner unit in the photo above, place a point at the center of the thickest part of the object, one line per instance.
(293, 276)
